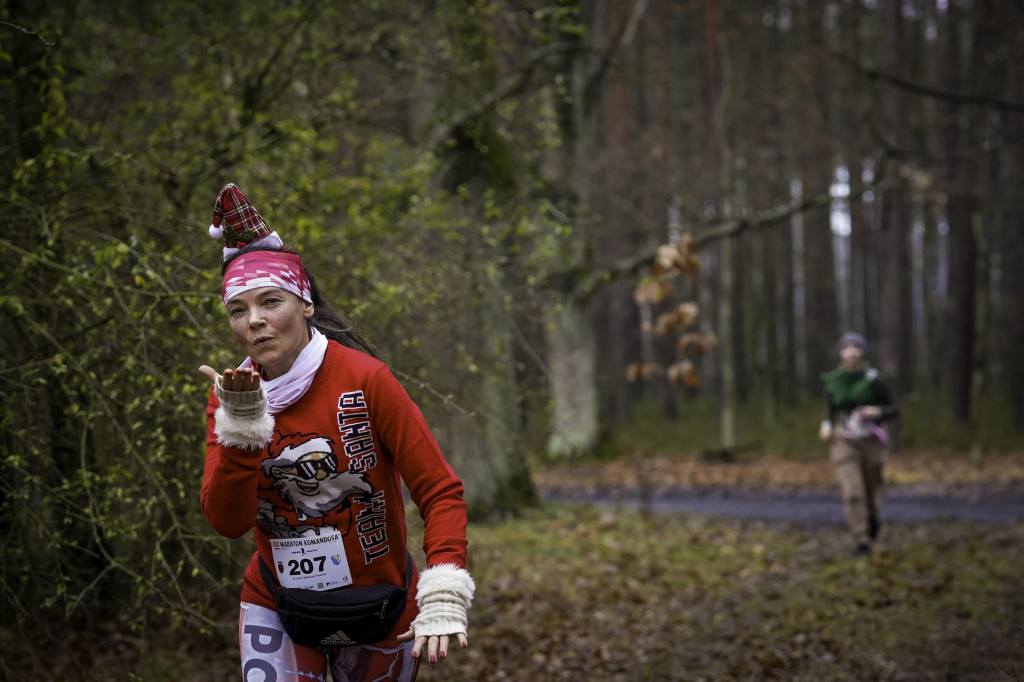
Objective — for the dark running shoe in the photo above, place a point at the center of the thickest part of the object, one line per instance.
(873, 527)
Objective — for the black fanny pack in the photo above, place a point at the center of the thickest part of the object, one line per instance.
(348, 616)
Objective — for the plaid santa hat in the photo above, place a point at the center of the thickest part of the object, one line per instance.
(241, 225)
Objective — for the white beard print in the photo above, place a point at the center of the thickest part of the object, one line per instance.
(319, 498)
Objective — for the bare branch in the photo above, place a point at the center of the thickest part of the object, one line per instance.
(512, 86)
(518, 82)
(709, 232)
(625, 36)
(927, 90)
(28, 32)
(446, 400)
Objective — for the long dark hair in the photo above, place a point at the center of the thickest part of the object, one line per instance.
(330, 322)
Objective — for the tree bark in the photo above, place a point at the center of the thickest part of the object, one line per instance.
(1014, 283)
(485, 447)
(722, 89)
(816, 172)
(894, 281)
(963, 251)
(570, 336)
(572, 358)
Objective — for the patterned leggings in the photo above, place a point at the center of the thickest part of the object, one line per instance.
(269, 655)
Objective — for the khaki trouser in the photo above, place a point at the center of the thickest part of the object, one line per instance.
(858, 464)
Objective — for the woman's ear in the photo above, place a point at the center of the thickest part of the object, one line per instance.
(307, 310)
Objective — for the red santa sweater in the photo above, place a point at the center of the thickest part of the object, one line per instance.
(335, 462)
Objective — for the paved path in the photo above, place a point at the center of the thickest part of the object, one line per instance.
(813, 507)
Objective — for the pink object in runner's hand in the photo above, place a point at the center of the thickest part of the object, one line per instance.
(879, 432)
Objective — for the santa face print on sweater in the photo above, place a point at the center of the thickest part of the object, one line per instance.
(304, 470)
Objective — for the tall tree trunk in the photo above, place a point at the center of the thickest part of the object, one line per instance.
(743, 318)
(894, 281)
(1014, 283)
(855, 153)
(782, 246)
(662, 203)
(572, 356)
(1014, 293)
(611, 170)
(919, 307)
(772, 393)
(722, 87)
(727, 342)
(963, 252)
(934, 297)
(859, 234)
(486, 446)
(569, 333)
(816, 172)
(962, 278)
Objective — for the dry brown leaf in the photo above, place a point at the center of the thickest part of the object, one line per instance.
(681, 372)
(666, 257)
(633, 372)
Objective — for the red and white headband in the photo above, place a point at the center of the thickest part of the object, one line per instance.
(266, 269)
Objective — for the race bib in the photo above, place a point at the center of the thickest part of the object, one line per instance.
(317, 562)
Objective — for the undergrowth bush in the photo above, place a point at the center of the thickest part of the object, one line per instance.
(793, 430)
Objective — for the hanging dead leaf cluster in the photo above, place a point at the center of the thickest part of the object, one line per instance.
(652, 290)
(658, 286)
(683, 372)
(643, 371)
(677, 259)
(702, 342)
(677, 319)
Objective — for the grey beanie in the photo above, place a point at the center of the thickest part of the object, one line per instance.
(854, 338)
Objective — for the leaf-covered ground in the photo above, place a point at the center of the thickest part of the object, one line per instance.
(574, 593)
(569, 592)
(578, 593)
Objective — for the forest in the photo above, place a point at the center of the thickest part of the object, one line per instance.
(579, 231)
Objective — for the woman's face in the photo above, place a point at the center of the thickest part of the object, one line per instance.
(270, 325)
(851, 354)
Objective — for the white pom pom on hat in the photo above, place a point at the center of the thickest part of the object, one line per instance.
(216, 231)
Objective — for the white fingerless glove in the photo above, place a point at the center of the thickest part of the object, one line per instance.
(242, 419)
(443, 594)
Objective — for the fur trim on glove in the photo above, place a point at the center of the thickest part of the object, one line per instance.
(241, 432)
(443, 594)
(242, 419)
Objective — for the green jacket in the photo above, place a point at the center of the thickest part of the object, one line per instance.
(846, 391)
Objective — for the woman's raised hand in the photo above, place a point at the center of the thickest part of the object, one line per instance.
(233, 379)
(437, 646)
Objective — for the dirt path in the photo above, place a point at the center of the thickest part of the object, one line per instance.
(899, 505)
(920, 486)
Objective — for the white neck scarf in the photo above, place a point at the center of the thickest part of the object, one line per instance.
(293, 384)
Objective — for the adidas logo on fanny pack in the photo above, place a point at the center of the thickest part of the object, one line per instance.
(339, 638)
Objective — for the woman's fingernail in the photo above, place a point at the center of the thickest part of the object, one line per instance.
(464, 644)
(443, 654)
(433, 659)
